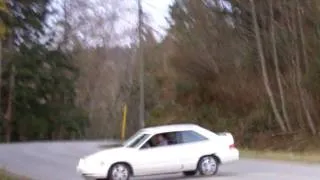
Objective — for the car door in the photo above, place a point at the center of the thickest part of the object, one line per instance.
(156, 160)
(192, 145)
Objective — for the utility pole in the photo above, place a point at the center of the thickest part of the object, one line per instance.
(141, 58)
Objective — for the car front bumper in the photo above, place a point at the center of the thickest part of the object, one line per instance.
(91, 171)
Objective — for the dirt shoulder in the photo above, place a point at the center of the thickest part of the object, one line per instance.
(5, 175)
(306, 157)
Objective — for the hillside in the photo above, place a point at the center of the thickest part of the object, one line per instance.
(252, 70)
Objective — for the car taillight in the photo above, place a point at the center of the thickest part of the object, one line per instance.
(232, 146)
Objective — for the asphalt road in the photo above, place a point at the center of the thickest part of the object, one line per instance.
(58, 160)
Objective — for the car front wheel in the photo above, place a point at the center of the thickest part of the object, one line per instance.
(119, 171)
(208, 165)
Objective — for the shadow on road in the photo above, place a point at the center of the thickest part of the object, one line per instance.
(221, 174)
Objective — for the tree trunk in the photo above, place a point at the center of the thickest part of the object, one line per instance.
(303, 41)
(8, 114)
(276, 63)
(302, 91)
(0, 78)
(264, 71)
(291, 26)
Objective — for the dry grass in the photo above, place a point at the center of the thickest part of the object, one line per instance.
(306, 157)
(4, 175)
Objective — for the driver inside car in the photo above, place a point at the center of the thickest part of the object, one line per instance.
(157, 140)
(161, 140)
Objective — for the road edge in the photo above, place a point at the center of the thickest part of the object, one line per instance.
(288, 156)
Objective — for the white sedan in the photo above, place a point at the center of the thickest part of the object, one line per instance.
(186, 148)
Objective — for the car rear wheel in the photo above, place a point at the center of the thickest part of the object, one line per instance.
(119, 171)
(189, 173)
(208, 165)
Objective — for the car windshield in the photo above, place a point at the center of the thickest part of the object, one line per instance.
(136, 139)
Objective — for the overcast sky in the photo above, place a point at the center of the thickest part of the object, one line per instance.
(158, 10)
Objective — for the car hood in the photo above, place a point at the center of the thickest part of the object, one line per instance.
(110, 153)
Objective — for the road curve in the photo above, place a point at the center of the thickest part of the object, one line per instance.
(58, 160)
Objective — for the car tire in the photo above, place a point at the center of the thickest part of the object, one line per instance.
(189, 173)
(208, 165)
(119, 171)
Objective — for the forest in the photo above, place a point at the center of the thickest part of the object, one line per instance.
(250, 67)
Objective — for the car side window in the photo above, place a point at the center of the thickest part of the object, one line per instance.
(161, 140)
(191, 136)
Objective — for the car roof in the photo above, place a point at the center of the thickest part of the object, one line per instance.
(171, 127)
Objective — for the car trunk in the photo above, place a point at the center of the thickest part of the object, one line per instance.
(227, 138)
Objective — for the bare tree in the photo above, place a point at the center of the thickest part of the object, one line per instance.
(264, 71)
(276, 63)
(90, 33)
(303, 94)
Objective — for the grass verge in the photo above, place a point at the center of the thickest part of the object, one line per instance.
(4, 175)
(305, 157)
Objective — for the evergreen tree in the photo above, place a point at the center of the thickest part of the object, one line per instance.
(38, 84)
